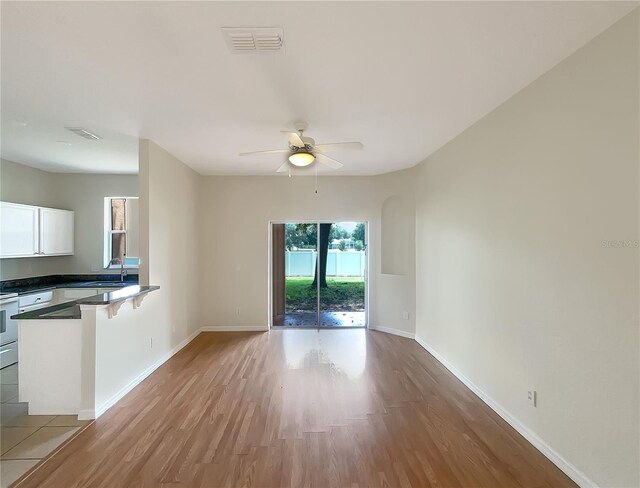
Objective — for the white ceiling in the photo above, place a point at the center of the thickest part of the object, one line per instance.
(402, 78)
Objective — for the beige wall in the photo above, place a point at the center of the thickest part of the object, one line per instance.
(237, 211)
(170, 220)
(82, 193)
(395, 292)
(26, 185)
(517, 284)
(85, 194)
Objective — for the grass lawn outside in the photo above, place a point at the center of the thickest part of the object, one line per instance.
(343, 294)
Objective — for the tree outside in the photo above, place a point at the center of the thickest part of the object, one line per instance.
(304, 236)
(338, 293)
(300, 236)
(358, 233)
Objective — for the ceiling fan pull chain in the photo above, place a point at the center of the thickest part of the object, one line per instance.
(316, 170)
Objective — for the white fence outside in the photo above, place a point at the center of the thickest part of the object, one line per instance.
(339, 263)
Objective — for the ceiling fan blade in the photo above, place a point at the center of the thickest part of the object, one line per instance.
(339, 146)
(327, 161)
(271, 151)
(294, 139)
(284, 168)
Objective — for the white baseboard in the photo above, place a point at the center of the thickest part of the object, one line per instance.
(569, 469)
(390, 330)
(100, 409)
(86, 414)
(234, 328)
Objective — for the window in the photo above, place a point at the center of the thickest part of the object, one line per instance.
(121, 232)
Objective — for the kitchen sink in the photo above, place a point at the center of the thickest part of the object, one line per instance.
(106, 284)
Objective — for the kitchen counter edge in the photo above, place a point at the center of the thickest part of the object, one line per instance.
(71, 310)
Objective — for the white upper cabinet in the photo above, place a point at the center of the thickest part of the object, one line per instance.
(29, 231)
(18, 230)
(56, 231)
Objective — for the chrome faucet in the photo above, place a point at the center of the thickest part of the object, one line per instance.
(123, 272)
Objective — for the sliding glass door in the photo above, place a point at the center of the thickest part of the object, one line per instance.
(342, 285)
(319, 274)
(295, 299)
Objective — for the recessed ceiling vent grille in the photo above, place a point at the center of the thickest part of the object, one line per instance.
(79, 131)
(253, 39)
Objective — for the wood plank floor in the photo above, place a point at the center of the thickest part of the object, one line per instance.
(343, 408)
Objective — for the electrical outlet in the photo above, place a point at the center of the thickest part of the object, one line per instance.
(237, 310)
(405, 315)
(532, 398)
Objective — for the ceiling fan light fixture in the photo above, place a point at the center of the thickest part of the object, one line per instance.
(301, 158)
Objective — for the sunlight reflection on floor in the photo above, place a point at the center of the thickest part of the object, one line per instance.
(346, 351)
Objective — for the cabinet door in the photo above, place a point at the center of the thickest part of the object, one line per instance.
(56, 231)
(18, 230)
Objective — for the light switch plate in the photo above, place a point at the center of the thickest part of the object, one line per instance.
(532, 398)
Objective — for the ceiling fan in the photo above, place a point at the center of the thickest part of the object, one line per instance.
(303, 150)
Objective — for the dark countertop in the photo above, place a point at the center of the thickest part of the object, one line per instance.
(23, 286)
(71, 310)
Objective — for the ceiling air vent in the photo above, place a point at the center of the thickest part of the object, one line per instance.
(253, 39)
(79, 131)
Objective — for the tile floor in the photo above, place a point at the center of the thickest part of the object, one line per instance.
(26, 439)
